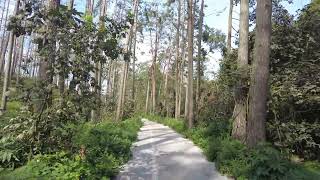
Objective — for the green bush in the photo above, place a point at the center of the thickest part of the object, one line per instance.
(97, 152)
(107, 145)
(214, 146)
(59, 165)
(268, 163)
(218, 128)
(232, 158)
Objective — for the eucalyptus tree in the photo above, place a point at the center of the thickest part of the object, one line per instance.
(199, 58)
(230, 16)
(190, 109)
(135, 29)
(178, 59)
(5, 38)
(20, 59)
(260, 73)
(240, 109)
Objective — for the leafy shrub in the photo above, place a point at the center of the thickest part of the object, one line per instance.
(51, 166)
(214, 146)
(218, 128)
(97, 152)
(268, 163)
(299, 138)
(232, 158)
(106, 146)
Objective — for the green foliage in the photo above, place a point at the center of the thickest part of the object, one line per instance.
(232, 158)
(293, 107)
(98, 151)
(269, 163)
(107, 145)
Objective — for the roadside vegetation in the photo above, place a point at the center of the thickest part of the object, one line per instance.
(236, 160)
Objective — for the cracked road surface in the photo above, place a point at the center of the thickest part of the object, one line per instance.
(162, 154)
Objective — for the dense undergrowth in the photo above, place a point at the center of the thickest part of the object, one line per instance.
(96, 152)
(235, 159)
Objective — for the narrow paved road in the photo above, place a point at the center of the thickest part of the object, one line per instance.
(162, 154)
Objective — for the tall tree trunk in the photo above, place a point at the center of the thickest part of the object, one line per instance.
(260, 74)
(89, 7)
(20, 60)
(6, 80)
(183, 62)
(240, 109)
(199, 60)
(190, 64)
(230, 26)
(3, 35)
(71, 4)
(3, 52)
(147, 96)
(14, 58)
(2, 14)
(166, 77)
(5, 40)
(154, 68)
(177, 83)
(135, 27)
(186, 103)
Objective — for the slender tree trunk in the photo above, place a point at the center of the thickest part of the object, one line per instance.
(20, 59)
(199, 60)
(71, 4)
(186, 103)
(2, 14)
(14, 58)
(6, 81)
(177, 83)
(240, 109)
(181, 73)
(119, 105)
(260, 74)
(134, 50)
(190, 64)
(147, 97)
(3, 52)
(89, 7)
(230, 26)
(166, 76)
(4, 40)
(154, 68)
